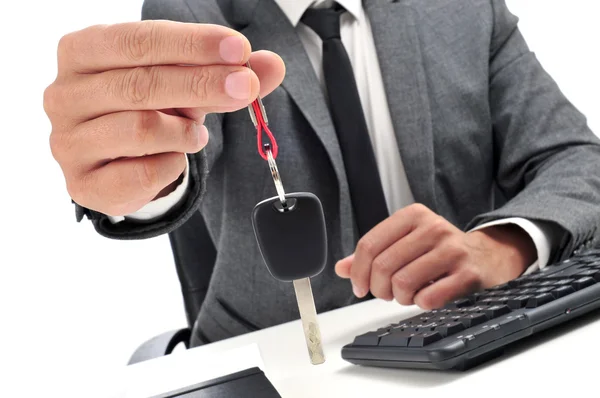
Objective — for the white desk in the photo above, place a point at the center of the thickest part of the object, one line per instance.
(542, 368)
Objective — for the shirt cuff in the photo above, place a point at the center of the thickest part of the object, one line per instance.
(540, 235)
(159, 207)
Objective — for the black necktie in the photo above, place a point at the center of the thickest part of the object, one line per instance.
(348, 118)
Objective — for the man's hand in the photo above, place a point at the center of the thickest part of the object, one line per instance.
(417, 257)
(130, 100)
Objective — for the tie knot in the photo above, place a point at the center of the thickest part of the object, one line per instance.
(324, 21)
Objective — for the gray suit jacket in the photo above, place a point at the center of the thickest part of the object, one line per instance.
(484, 133)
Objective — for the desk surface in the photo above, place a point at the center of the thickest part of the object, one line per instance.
(544, 365)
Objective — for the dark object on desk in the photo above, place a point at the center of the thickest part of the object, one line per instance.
(247, 383)
(476, 328)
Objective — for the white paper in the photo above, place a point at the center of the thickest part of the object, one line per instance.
(183, 369)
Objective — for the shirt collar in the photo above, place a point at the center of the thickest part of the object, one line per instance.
(294, 9)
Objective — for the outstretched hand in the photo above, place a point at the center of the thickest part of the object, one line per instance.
(130, 100)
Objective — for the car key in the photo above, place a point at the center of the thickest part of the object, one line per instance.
(291, 235)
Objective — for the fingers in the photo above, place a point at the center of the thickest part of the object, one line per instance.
(135, 133)
(342, 267)
(161, 87)
(128, 45)
(379, 239)
(211, 88)
(270, 69)
(454, 286)
(395, 258)
(126, 185)
(408, 281)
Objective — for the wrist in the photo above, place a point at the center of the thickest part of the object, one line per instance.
(510, 251)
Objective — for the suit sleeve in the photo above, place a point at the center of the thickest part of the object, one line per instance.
(198, 164)
(547, 160)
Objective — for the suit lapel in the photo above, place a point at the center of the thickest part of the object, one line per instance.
(399, 49)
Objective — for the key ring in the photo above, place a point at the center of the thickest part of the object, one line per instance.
(275, 175)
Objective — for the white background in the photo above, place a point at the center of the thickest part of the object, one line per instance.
(73, 305)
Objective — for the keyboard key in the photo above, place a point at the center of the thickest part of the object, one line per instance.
(429, 326)
(564, 274)
(529, 284)
(543, 290)
(564, 282)
(478, 308)
(450, 328)
(501, 300)
(592, 273)
(500, 287)
(513, 292)
(396, 339)
(539, 300)
(456, 318)
(421, 318)
(423, 339)
(443, 319)
(369, 339)
(497, 293)
(584, 282)
(524, 292)
(514, 283)
(473, 320)
(460, 303)
(497, 310)
(479, 296)
(562, 291)
(519, 302)
(557, 267)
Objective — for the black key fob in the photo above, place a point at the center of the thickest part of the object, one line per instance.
(292, 238)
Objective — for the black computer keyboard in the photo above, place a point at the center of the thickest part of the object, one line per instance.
(476, 328)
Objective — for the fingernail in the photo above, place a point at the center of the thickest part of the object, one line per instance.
(199, 134)
(238, 85)
(202, 135)
(357, 291)
(232, 49)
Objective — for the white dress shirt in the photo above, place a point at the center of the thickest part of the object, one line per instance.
(357, 38)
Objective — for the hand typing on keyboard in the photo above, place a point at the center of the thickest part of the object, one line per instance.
(417, 257)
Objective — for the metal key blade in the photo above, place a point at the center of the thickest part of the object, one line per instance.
(308, 314)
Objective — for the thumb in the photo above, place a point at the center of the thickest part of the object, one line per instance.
(342, 268)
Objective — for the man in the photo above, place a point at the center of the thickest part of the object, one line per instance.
(472, 167)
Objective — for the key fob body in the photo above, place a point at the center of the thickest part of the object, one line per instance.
(292, 239)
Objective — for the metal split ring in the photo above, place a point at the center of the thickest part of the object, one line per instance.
(276, 176)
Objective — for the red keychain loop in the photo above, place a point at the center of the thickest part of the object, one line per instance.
(261, 122)
(261, 125)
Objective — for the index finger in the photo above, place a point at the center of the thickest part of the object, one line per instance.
(127, 45)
